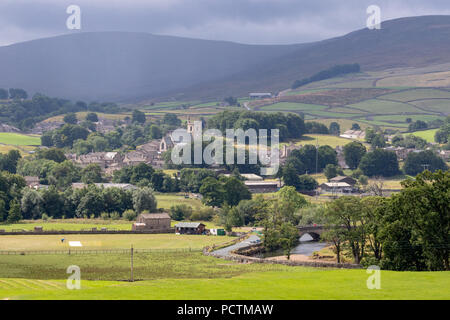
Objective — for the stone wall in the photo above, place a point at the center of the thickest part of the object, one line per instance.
(235, 256)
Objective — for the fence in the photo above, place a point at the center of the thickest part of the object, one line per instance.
(102, 251)
(83, 231)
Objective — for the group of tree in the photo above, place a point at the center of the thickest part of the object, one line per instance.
(82, 137)
(224, 191)
(442, 135)
(144, 175)
(290, 125)
(25, 113)
(13, 93)
(409, 231)
(335, 71)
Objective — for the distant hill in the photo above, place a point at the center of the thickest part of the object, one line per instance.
(401, 43)
(123, 66)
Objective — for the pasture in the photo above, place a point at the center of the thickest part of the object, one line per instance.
(194, 276)
(109, 241)
(18, 139)
(428, 135)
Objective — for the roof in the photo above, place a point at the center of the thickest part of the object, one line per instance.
(155, 215)
(251, 176)
(341, 178)
(188, 224)
(337, 185)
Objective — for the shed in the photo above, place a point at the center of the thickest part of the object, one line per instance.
(190, 228)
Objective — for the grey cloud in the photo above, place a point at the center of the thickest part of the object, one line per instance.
(247, 21)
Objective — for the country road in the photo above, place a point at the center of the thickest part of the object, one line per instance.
(225, 251)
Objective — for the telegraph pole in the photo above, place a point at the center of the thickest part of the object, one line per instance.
(132, 277)
(317, 156)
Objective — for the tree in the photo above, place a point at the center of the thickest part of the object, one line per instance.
(8, 162)
(144, 199)
(31, 204)
(180, 212)
(418, 162)
(92, 173)
(332, 171)
(288, 238)
(379, 163)
(378, 141)
(53, 154)
(335, 128)
(3, 212)
(307, 183)
(3, 94)
(336, 235)
(92, 116)
(138, 116)
(290, 176)
(213, 192)
(419, 220)
(418, 125)
(373, 210)
(353, 153)
(346, 212)
(171, 119)
(63, 174)
(70, 118)
(327, 155)
(14, 214)
(235, 191)
(17, 94)
(355, 126)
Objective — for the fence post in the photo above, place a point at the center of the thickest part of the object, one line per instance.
(132, 278)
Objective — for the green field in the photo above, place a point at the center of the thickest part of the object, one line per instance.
(292, 106)
(166, 201)
(109, 241)
(194, 276)
(322, 139)
(19, 139)
(427, 134)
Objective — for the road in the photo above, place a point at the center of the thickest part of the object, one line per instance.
(225, 251)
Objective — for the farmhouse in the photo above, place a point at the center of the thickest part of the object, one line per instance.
(354, 134)
(345, 179)
(152, 221)
(260, 95)
(189, 228)
(335, 187)
(263, 186)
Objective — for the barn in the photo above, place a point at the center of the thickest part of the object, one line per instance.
(152, 221)
(190, 228)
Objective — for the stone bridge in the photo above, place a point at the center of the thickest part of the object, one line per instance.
(313, 230)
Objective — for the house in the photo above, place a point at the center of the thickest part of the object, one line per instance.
(354, 134)
(124, 186)
(134, 157)
(165, 144)
(445, 155)
(32, 181)
(336, 187)
(263, 186)
(152, 221)
(103, 159)
(260, 95)
(345, 179)
(190, 228)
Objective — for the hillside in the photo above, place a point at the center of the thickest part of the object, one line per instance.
(413, 42)
(118, 66)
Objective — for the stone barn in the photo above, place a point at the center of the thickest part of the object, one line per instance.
(152, 221)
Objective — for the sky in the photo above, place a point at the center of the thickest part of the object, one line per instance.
(243, 21)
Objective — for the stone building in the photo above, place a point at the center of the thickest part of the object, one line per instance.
(152, 221)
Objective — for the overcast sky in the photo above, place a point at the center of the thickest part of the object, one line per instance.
(245, 21)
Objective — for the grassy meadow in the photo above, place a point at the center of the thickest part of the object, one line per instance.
(194, 276)
(18, 139)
